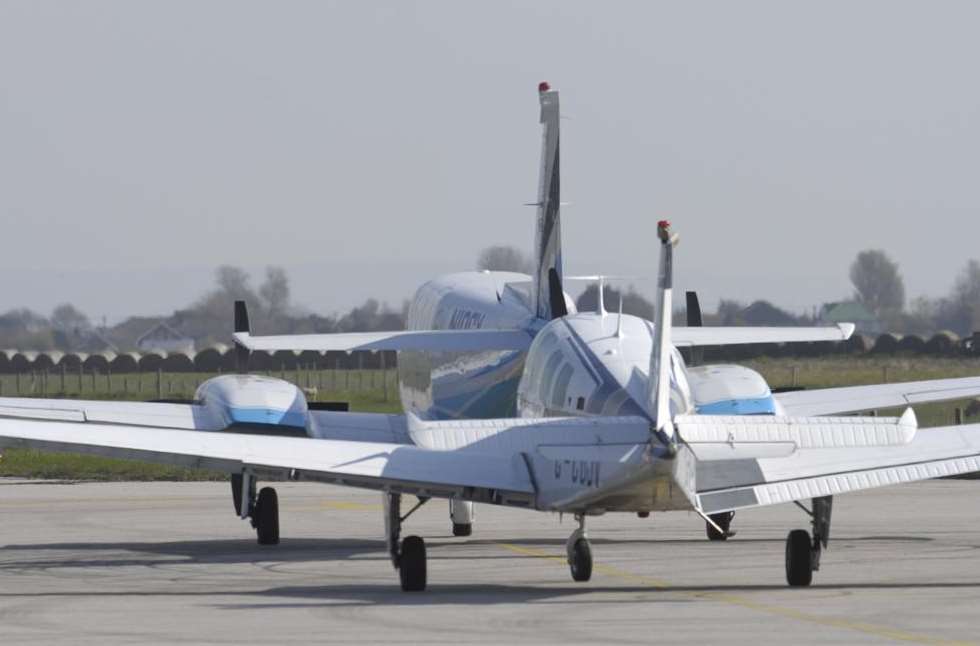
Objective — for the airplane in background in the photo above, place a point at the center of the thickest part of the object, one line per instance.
(608, 419)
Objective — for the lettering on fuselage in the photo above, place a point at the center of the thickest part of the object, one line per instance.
(580, 472)
(464, 319)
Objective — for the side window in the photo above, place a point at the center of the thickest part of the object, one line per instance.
(550, 372)
(580, 404)
(561, 386)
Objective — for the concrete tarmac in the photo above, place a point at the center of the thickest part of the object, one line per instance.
(123, 563)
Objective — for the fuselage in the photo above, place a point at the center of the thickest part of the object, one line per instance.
(581, 364)
(450, 385)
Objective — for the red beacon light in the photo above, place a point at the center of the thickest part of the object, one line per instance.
(544, 86)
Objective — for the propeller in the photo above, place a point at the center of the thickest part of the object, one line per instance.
(241, 325)
(556, 295)
(694, 319)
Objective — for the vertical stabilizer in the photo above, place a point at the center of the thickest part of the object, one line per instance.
(659, 385)
(547, 240)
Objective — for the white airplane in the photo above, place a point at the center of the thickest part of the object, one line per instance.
(611, 420)
(464, 352)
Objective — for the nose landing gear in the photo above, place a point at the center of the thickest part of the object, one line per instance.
(579, 552)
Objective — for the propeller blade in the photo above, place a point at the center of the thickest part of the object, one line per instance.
(241, 325)
(556, 295)
(694, 319)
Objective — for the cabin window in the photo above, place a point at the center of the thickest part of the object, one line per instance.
(580, 404)
(550, 372)
(561, 386)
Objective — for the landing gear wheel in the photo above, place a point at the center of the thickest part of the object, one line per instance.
(724, 521)
(799, 566)
(580, 560)
(265, 517)
(411, 564)
(462, 529)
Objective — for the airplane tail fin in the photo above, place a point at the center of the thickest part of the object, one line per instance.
(659, 379)
(548, 294)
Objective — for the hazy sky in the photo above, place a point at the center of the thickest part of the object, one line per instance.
(368, 146)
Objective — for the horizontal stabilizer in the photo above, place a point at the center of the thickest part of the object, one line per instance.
(831, 401)
(419, 340)
(695, 336)
(803, 432)
(718, 483)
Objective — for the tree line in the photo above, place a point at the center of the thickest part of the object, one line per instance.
(876, 280)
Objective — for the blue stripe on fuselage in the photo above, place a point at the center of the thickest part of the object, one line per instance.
(752, 406)
(269, 416)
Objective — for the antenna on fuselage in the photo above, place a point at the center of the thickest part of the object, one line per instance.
(619, 320)
(601, 307)
(659, 377)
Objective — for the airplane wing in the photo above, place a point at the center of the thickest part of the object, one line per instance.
(828, 459)
(423, 340)
(372, 465)
(830, 401)
(695, 336)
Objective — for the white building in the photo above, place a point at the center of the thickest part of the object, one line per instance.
(163, 338)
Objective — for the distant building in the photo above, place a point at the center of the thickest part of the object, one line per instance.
(851, 312)
(163, 338)
(91, 341)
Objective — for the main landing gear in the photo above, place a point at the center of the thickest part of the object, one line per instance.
(461, 514)
(262, 509)
(802, 551)
(579, 552)
(408, 554)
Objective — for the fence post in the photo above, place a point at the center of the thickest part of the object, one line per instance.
(18, 382)
(796, 375)
(108, 380)
(81, 376)
(95, 371)
(360, 371)
(384, 376)
(884, 374)
(957, 415)
(159, 383)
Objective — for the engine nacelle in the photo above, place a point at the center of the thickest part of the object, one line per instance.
(730, 390)
(254, 401)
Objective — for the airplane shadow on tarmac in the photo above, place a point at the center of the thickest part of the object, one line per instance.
(385, 591)
(295, 550)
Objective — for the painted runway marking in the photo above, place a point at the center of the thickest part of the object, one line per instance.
(743, 602)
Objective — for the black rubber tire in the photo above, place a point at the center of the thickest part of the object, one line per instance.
(265, 517)
(411, 564)
(723, 520)
(799, 572)
(581, 565)
(462, 529)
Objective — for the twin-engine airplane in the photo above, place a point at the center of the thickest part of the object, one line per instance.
(610, 417)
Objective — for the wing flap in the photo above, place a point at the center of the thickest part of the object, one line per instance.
(151, 414)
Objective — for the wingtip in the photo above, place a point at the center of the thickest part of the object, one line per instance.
(846, 329)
